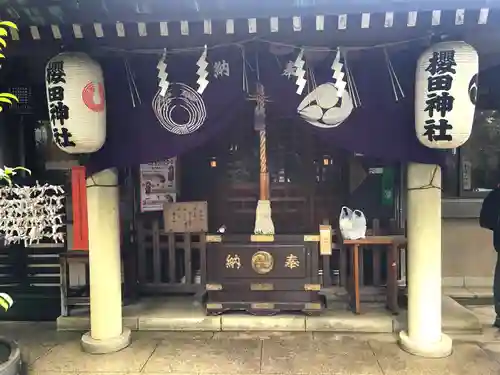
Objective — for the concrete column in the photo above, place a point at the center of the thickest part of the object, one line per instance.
(424, 337)
(106, 329)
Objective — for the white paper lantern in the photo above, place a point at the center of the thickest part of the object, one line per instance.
(76, 102)
(445, 94)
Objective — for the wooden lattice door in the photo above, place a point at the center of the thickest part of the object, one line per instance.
(306, 179)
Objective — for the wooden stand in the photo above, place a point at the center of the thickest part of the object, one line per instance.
(263, 274)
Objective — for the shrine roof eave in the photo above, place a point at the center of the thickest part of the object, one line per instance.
(320, 30)
(46, 12)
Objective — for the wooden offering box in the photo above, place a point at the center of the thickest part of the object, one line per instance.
(262, 274)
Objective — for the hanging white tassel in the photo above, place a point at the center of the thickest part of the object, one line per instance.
(396, 86)
(244, 70)
(338, 75)
(129, 82)
(300, 72)
(132, 86)
(162, 74)
(353, 89)
(202, 72)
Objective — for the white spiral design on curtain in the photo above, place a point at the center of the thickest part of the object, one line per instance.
(188, 100)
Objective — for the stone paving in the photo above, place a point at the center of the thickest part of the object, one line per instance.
(47, 352)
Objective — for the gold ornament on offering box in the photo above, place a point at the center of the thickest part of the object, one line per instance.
(262, 262)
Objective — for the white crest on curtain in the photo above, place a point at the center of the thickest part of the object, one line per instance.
(323, 108)
(180, 97)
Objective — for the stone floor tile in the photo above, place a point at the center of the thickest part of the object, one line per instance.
(467, 358)
(206, 356)
(252, 335)
(35, 340)
(333, 336)
(36, 372)
(172, 335)
(343, 356)
(69, 357)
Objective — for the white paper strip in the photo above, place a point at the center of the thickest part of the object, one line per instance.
(56, 32)
(184, 28)
(389, 19)
(230, 26)
(297, 23)
(164, 28)
(342, 24)
(460, 17)
(483, 16)
(99, 32)
(202, 72)
(14, 34)
(320, 23)
(141, 29)
(252, 25)
(412, 19)
(274, 24)
(35, 33)
(365, 20)
(436, 17)
(207, 27)
(120, 29)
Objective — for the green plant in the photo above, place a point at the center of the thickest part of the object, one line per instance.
(5, 97)
(6, 173)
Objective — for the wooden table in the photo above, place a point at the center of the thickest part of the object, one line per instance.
(394, 242)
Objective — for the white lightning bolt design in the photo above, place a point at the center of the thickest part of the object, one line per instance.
(338, 75)
(300, 72)
(163, 75)
(202, 72)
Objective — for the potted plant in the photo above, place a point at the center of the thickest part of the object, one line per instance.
(10, 354)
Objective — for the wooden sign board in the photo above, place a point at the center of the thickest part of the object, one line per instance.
(325, 240)
(186, 217)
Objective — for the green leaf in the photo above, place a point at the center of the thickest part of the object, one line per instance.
(21, 169)
(9, 95)
(10, 24)
(4, 304)
(5, 100)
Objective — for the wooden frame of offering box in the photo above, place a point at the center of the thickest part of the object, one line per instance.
(263, 274)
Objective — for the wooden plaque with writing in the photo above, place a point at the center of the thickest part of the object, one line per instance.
(186, 217)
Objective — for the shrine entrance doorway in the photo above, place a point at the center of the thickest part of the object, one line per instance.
(308, 183)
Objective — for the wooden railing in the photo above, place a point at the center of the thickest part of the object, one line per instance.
(172, 262)
(169, 262)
